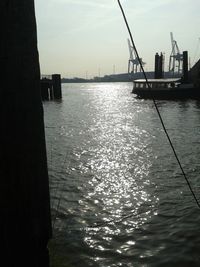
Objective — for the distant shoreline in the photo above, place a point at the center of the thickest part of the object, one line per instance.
(122, 77)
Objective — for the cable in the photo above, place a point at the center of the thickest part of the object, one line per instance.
(158, 112)
(61, 192)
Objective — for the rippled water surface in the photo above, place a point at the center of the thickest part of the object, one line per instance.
(117, 194)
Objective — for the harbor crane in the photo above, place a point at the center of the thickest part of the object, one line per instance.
(176, 58)
(134, 61)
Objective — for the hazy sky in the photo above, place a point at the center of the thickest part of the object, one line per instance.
(80, 38)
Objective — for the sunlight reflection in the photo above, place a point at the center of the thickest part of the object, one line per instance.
(119, 162)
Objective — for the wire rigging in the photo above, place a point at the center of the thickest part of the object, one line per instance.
(58, 188)
(156, 107)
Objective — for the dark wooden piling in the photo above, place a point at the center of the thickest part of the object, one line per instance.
(185, 66)
(161, 66)
(25, 221)
(51, 87)
(51, 93)
(45, 90)
(158, 69)
(56, 80)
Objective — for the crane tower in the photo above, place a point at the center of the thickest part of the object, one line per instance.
(134, 61)
(176, 58)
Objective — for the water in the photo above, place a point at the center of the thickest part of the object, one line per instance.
(117, 194)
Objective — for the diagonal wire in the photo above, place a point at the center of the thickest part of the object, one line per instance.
(156, 107)
(58, 188)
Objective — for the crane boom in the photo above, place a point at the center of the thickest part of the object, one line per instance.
(130, 49)
(134, 60)
(176, 58)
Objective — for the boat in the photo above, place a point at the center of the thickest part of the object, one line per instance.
(165, 88)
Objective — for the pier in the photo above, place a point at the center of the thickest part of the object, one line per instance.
(51, 87)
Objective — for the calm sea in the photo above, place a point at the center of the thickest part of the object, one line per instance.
(117, 194)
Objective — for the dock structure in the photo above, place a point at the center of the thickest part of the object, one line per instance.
(192, 75)
(195, 74)
(25, 221)
(51, 87)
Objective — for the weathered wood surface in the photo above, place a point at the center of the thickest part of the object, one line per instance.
(25, 221)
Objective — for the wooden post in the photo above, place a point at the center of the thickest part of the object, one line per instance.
(158, 71)
(185, 66)
(56, 80)
(161, 65)
(156, 68)
(44, 90)
(25, 220)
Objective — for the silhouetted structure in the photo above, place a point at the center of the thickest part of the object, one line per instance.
(56, 79)
(185, 66)
(51, 87)
(159, 66)
(195, 74)
(25, 222)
